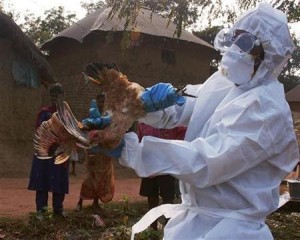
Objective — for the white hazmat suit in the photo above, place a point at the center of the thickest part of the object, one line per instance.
(240, 144)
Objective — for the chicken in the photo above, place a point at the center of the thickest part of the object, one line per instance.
(122, 102)
(60, 135)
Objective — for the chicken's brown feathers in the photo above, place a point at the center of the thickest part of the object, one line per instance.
(122, 102)
(60, 135)
(98, 71)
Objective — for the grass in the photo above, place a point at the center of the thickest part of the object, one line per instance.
(119, 217)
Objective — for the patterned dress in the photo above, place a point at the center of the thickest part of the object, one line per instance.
(99, 180)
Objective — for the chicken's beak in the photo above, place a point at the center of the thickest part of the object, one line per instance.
(88, 79)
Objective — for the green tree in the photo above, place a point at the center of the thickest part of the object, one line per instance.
(208, 35)
(186, 12)
(9, 10)
(42, 29)
(182, 13)
(290, 76)
(91, 5)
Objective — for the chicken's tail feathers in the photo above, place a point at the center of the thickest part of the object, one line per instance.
(95, 71)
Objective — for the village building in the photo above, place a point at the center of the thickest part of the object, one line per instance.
(152, 53)
(147, 54)
(24, 73)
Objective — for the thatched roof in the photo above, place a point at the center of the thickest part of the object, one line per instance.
(26, 48)
(293, 95)
(147, 23)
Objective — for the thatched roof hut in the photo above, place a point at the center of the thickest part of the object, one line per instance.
(153, 54)
(146, 23)
(24, 70)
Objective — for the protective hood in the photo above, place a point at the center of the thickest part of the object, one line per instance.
(266, 23)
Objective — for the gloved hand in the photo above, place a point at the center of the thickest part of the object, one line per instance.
(114, 153)
(160, 96)
(95, 120)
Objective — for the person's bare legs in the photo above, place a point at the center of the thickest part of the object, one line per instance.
(152, 203)
(167, 200)
(79, 205)
(95, 203)
(73, 168)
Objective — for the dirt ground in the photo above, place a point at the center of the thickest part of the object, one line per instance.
(17, 201)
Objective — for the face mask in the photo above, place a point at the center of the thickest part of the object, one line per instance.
(236, 68)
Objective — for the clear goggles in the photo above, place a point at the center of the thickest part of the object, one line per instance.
(228, 41)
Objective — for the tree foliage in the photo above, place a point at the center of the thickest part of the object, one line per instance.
(9, 10)
(184, 13)
(208, 35)
(42, 29)
(290, 76)
(91, 6)
(290, 8)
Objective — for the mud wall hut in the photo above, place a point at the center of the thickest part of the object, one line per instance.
(153, 54)
(24, 73)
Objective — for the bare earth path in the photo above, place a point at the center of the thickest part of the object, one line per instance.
(17, 201)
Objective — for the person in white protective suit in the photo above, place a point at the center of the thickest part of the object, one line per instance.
(240, 142)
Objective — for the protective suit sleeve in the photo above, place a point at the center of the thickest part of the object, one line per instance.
(238, 142)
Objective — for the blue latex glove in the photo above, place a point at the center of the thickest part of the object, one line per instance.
(95, 120)
(114, 153)
(160, 96)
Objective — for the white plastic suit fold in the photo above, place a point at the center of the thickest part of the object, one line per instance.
(239, 146)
